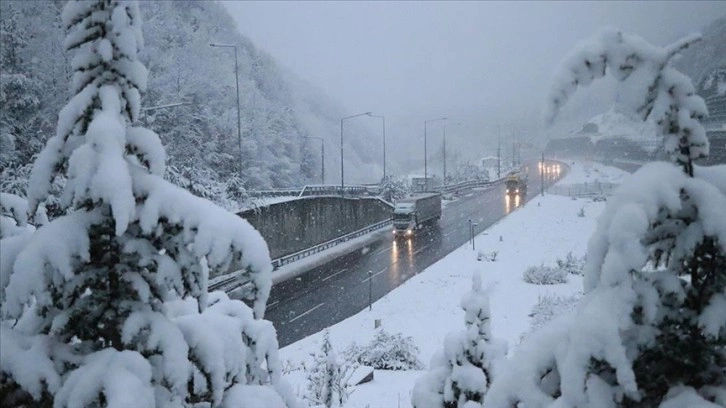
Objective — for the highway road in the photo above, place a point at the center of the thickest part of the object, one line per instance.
(339, 289)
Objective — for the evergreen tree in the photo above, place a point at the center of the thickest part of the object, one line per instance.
(651, 329)
(393, 189)
(327, 380)
(459, 377)
(107, 305)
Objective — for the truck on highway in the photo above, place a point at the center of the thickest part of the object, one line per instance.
(410, 214)
(516, 183)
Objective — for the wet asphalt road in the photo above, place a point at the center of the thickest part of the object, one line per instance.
(332, 292)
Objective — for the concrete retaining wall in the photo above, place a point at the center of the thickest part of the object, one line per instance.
(295, 225)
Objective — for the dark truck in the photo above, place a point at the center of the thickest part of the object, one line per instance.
(410, 214)
(516, 183)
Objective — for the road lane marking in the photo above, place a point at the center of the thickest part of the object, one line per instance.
(309, 311)
(335, 274)
(420, 249)
(373, 276)
(381, 250)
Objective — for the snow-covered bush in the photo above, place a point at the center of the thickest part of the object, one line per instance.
(107, 305)
(386, 352)
(550, 306)
(327, 378)
(487, 256)
(651, 328)
(572, 264)
(459, 377)
(544, 275)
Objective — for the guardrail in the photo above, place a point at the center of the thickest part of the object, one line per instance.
(231, 281)
(316, 190)
(334, 190)
(226, 283)
(583, 189)
(284, 260)
(467, 184)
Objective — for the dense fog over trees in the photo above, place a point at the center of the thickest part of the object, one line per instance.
(278, 110)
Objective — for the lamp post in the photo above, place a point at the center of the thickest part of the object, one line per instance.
(426, 173)
(236, 79)
(322, 160)
(455, 124)
(541, 170)
(342, 170)
(384, 142)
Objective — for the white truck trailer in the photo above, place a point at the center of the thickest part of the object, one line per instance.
(410, 214)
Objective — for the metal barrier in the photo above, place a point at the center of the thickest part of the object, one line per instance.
(329, 244)
(320, 190)
(583, 189)
(232, 281)
(464, 185)
(227, 283)
(316, 190)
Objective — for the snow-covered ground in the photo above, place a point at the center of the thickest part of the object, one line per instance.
(426, 307)
(592, 172)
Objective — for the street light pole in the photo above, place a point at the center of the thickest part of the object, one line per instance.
(239, 117)
(384, 142)
(443, 182)
(322, 148)
(541, 171)
(455, 124)
(426, 173)
(342, 169)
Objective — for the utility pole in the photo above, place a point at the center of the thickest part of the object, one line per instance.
(236, 79)
(322, 160)
(384, 142)
(370, 291)
(541, 171)
(426, 172)
(499, 152)
(443, 182)
(514, 148)
(342, 174)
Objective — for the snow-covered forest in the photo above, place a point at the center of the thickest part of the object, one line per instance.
(278, 109)
(119, 152)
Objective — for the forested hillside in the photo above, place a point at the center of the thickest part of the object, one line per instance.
(278, 111)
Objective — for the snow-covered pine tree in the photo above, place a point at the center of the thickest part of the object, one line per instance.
(327, 379)
(459, 377)
(393, 188)
(651, 328)
(107, 305)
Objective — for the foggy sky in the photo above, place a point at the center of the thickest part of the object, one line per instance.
(476, 62)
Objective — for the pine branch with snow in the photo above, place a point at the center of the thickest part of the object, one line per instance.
(459, 377)
(654, 90)
(650, 330)
(108, 304)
